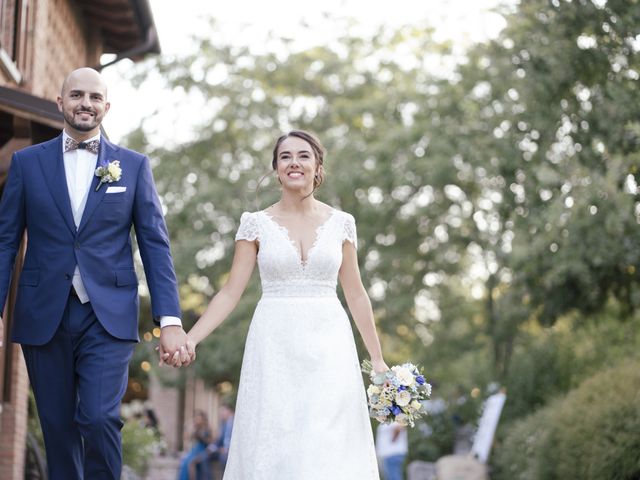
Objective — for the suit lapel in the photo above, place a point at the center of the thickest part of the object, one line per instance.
(56, 179)
(106, 155)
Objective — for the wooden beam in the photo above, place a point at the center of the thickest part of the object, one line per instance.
(7, 151)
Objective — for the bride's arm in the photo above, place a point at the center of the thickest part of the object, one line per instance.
(223, 303)
(360, 305)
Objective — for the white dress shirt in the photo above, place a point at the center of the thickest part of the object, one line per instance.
(386, 446)
(79, 168)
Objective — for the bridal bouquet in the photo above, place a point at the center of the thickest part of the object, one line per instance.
(397, 395)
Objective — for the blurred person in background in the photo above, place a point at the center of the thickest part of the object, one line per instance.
(201, 437)
(392, 445)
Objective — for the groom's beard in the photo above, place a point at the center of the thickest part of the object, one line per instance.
(85, 126)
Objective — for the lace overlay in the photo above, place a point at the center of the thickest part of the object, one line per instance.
(301, 410)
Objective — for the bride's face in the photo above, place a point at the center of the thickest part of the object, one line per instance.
(296, 164)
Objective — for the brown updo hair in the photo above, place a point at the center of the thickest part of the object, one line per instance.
(316, 146)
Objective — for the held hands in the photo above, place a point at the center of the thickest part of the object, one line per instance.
(175, 348)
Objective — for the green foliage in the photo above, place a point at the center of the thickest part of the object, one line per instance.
(550, 362)
(541, 370)
(520, 454)
(139, 444)
(493, 202)
(590, 434)
(432, 438)
(207, 183)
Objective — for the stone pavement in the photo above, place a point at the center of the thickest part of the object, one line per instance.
(163, 468)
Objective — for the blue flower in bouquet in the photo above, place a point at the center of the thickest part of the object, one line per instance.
(397, 395)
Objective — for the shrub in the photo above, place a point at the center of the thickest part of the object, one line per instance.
(517, 457)
(432, 438)
(591, 434)
(139, 443)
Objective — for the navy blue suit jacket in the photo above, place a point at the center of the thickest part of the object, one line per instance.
(36, 199)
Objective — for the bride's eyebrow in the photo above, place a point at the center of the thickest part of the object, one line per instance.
(287, 152)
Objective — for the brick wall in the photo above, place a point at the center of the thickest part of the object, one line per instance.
(166, 402)
(59, 41)
(62, 42)
(13, 421)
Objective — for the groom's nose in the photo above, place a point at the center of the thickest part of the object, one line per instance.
(85, 101)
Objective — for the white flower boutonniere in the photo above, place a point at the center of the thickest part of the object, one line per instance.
(109, 173)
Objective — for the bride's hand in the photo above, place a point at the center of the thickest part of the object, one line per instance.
(191, 349)
(379, 366)
(183, 357)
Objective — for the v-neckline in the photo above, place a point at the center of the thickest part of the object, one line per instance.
(298, 251)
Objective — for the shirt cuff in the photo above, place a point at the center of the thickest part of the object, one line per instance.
(167, 321)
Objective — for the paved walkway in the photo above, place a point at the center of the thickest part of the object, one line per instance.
(163, 468)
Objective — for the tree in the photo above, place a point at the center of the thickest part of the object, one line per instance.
(487, 197)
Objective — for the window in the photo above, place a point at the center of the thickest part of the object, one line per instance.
(14, 25)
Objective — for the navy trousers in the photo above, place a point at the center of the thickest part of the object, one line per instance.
(79, 378)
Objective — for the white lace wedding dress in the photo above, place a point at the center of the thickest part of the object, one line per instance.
(301, 411)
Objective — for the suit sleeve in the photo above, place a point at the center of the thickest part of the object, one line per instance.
(153, 241)
(12, 225)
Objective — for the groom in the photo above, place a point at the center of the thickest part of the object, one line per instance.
(77, 304)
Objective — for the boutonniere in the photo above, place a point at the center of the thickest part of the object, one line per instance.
(109, 174)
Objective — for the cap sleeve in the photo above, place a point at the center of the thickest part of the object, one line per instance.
(349, 230)
(248, 229)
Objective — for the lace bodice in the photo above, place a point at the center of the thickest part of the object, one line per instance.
(282, 271)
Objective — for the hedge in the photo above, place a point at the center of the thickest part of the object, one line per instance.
(592, 434)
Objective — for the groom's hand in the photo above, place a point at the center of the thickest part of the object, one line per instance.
(172, 349)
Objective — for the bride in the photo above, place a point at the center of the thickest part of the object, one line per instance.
(301, 411)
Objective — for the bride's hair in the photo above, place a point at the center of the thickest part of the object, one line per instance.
(316, 146)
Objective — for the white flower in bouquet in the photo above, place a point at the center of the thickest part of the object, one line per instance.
(373, 390)
(402, 419)
(404, 375)
(403, 398)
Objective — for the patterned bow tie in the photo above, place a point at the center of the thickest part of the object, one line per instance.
(70, 144)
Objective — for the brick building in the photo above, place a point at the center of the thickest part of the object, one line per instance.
(40, 42)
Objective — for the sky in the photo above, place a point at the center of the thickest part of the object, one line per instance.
(248, 23)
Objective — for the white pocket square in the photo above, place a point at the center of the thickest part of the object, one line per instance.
(116, 189)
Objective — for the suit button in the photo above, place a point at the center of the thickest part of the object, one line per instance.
(67, 276)
(77, 245)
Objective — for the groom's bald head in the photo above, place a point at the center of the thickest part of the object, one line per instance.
(88, 78)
